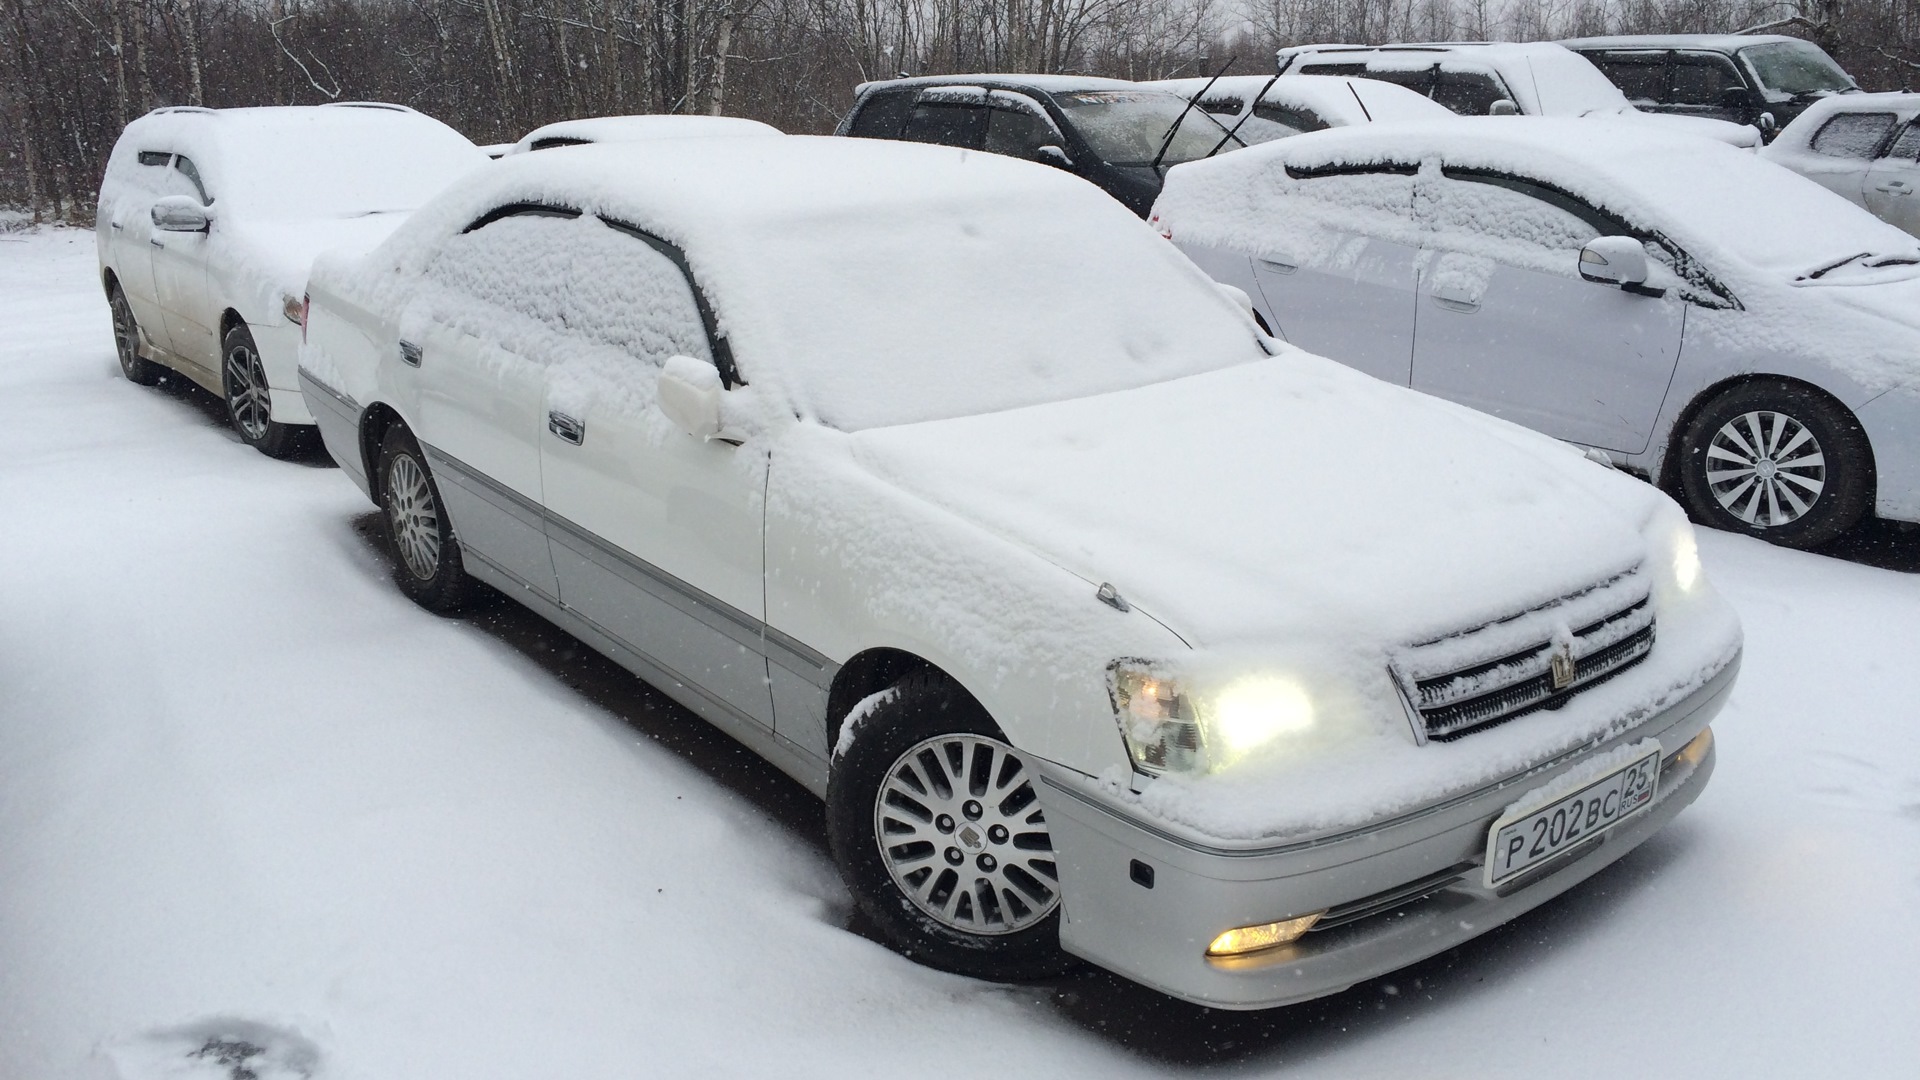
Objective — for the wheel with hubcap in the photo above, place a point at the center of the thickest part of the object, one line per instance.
(1776, 460)
(126, 342)
(250, 399)
(937, 830)
(426, 556)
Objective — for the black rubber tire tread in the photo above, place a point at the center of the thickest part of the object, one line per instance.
(447, 591)
(138, 369)
(924, 705)
(1848, 494)
(280, 440)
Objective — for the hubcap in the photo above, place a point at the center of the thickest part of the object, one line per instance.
(247, 399)
(964, 838)
(1766, 468)
(413, 518)
(126, 334)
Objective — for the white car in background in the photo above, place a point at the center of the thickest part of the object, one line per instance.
(599, 129)
(1507, 78)
(1863, 147)
(1292, 105)
(943, 483)
(1714, 322)
(208, 222)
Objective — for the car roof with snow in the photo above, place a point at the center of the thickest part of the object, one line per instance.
(1338, 98)
(1704, 194)
(1050, 84)
(1542, 77)
(596, 129)
(1710, 42)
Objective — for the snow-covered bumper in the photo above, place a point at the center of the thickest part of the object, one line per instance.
(1145, 903)
(279, 345)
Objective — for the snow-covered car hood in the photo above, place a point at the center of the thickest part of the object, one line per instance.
(1705, 127)
(275, 255)
(1286, 497)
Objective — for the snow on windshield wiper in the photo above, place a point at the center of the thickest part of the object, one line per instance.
(1876, 264)
(1817, 274)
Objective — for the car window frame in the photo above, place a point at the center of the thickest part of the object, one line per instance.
(1676, 58)
(1006, 100)
(184, 165)
(1903, 132)
(1879, 147)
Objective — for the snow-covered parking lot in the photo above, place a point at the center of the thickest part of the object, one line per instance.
(261, 815)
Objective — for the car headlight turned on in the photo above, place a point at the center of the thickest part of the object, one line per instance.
(1686, 559)
(1170, 729)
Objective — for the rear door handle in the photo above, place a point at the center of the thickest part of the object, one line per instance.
(410, 354)
(1278, 267)
(1456, 300)
(116, 224)
(155, 241)
(1894, 187)
(566, 427)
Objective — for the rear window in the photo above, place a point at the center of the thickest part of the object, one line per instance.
(1468, 93)
(1853, 135)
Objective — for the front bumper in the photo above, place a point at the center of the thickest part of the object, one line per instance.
(279, 345)
(1397, 892)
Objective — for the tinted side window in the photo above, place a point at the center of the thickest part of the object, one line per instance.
(155, 157)
(1640, 76)
(1017, 131)
(1420, 81)
(1907, 146)
(1296, 121)
(883, 115)
(1506, 219)
(949, 123)
(554, 141)
(1853, 135)
(1702, 79)
(1352, 70)
(1467, 93)
(186, 169)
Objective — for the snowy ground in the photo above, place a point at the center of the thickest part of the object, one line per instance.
(259, 815)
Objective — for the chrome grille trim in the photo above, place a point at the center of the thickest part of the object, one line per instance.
(1503, 670)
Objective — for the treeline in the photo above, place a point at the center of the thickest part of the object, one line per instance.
(75, 71)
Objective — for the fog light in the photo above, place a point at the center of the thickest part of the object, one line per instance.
(1252, 939)
(1696, 751)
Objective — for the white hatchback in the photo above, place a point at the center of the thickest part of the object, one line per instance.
(209, 219)
(1103, 622)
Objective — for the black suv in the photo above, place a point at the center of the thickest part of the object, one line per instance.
(1763, 80)
(1120, 135)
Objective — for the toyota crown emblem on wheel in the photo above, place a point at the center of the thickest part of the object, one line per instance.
(784, 443)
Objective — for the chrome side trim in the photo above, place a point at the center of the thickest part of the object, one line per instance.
(500, 495)
(711, 610)
(351, 406)
(796, 656)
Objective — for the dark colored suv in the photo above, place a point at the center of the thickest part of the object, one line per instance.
(1763, 80)
(1119, 135)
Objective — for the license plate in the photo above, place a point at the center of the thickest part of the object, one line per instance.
(1526, 837)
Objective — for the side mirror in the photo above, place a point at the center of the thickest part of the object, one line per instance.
(689, 395)
(180, 213)
(1766, 123)
(1737, 99)
(1236, 295)
(1054, 156)
(1503, 107)
(1614, 260)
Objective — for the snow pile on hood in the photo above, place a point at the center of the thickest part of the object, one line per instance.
(828, 261)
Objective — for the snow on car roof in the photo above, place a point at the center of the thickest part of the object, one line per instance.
(1052, 84)
(826, 260)
(1714, 42)
(1338, 98)
(1545, 78)
(594, 129)
(1716, 201)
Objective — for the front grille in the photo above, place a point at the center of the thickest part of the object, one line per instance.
(1491, 674)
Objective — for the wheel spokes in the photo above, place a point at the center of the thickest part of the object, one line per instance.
(1765, 468)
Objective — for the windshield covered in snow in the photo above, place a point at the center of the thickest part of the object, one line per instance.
(903, 313)
(1127, 127)
(1795, 67)
(323, 164)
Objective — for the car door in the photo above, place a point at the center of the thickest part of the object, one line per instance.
(130, 225)
(472, 382)
(180, 279)
(1892, 187)
(1848, 143)
(1336, 268)
(657, 536)
(1507, 325)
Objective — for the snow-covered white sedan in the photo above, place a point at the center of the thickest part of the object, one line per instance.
(1716, 323)
(209, 219)
(1864, 148)
(641, 128)
(1106, 625)
(1300, 103)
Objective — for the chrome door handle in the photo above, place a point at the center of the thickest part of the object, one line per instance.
(410, 354)
(567, 428)
(115, 224)
(1278, 267)
(1454, 300)
(1894, 187)
(155, 241)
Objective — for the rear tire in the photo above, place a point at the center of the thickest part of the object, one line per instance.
(250, 399)
(426, 556)
(1779, 461)
(126, 342)
(933, 822)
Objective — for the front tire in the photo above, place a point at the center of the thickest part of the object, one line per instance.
(250, 399)
(426, 555)
(1779, 461)
(126, 342)
(937, 831)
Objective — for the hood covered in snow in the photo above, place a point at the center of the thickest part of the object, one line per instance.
(278, 254)
(1283, 498)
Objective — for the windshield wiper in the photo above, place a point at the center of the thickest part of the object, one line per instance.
(1175, 126)
(1234, 131)
(1817, 274)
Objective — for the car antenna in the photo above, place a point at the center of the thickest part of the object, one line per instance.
(1235, 129)
(1175, 126)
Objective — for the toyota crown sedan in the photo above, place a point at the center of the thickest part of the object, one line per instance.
(1717, 324)
(1107, 626)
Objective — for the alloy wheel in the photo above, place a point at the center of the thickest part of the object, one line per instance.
(1766, 468)
(963, 836)
(126, 334)
(413, 517)
(248, 401)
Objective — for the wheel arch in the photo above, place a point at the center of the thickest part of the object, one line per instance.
(229, 319)
(109, 280)
(871, 671)
(375, 421)
(1671, 457)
